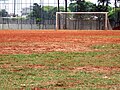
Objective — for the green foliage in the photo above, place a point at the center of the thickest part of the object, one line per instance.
(3, 13)
(72, 7)
(81, 6)
(50, 12)
(113, 14)
(41, 13)
(37, 12)
(101, 8)
(107, 46)
(48, 8)
(38, 19)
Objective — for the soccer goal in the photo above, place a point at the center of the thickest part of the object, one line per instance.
(82, 20)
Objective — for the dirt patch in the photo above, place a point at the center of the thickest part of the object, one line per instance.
(97, 69)
(19, 68)
(35, 66)
(26, 42)
(36, 88)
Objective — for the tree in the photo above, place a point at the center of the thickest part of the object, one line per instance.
(115, 3)
(103, 2)
(49, 12)
(65, 5)
(41, 13)
(3, 13)
(117, 14)
(103, 5)
(81, 6)
(37, 12)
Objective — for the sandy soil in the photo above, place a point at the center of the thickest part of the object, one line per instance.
(37, 41)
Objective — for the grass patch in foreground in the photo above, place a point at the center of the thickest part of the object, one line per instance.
(61, 70)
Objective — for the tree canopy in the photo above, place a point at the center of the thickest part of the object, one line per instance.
(81, 6)
(3, 13)
(49, 12)
(41, 13)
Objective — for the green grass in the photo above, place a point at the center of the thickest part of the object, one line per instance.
(107, 46)
(58, 70)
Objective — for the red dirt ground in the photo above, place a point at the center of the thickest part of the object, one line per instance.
(37, 41)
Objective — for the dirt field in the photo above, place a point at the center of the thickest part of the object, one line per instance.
(36, 41)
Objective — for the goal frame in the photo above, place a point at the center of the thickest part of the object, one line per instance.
(105, 13)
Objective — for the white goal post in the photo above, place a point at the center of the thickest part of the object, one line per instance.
(82, 20)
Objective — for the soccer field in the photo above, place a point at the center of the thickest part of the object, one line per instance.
(62, 59)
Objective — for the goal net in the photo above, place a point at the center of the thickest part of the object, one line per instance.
(82, 20)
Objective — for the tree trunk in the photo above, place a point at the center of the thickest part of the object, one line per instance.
(58, 5)
(65, 5)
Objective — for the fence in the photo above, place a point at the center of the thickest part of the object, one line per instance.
(29, 14)
(38, 14)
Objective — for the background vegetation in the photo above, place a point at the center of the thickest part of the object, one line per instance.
(48, 12)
